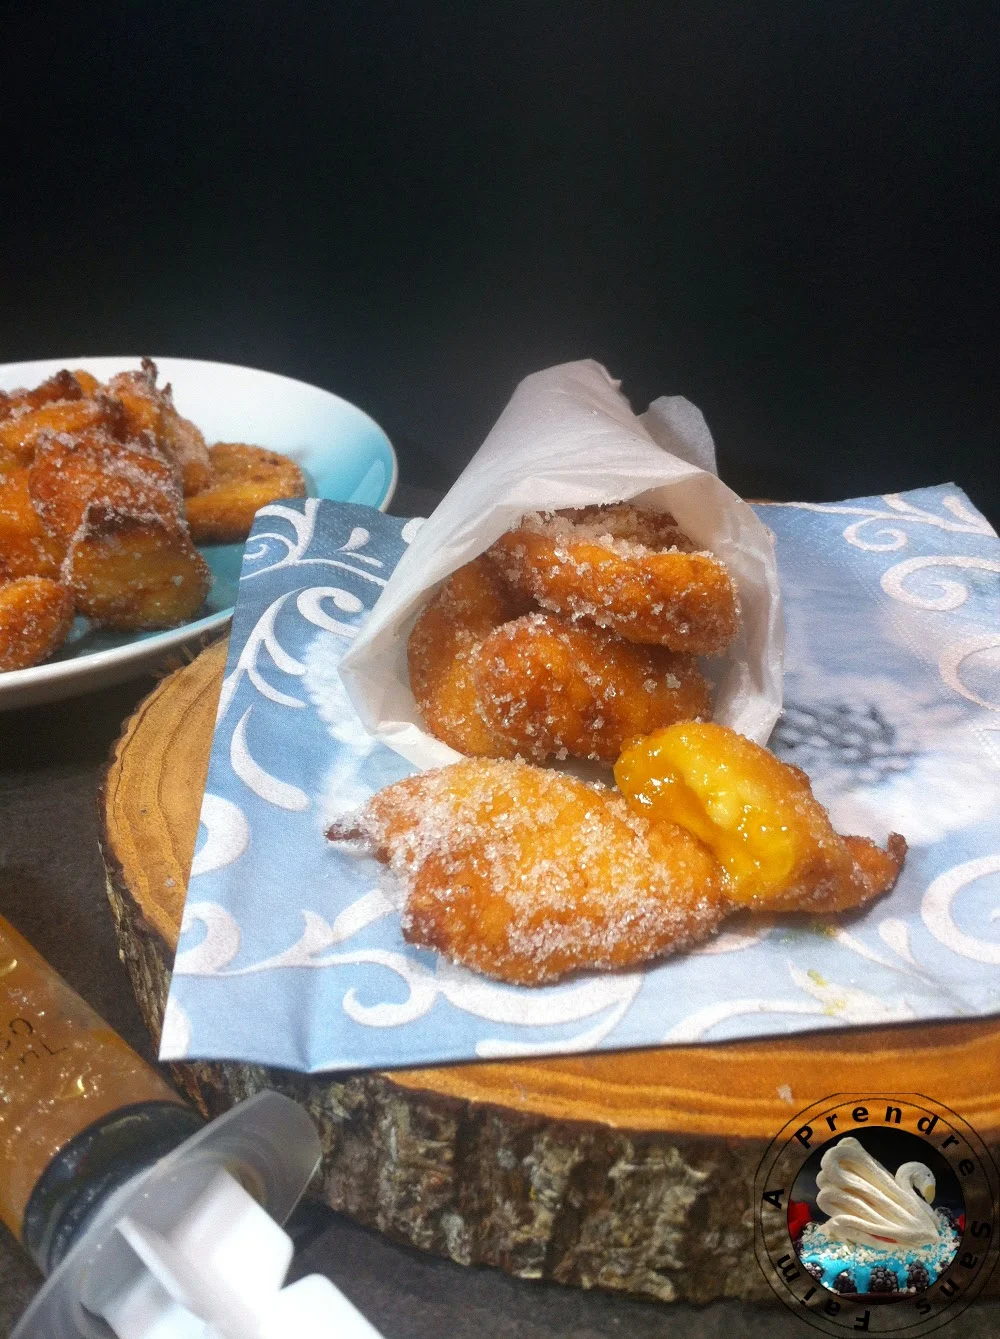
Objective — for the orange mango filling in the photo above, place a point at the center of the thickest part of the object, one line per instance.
(729, 793)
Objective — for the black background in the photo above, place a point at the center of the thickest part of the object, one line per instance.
(786, 212)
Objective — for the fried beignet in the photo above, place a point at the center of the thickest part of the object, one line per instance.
(550, 687)
(633, 524)
(149, 408)
(597, 564)
(20, 434)
(35, 618)
(63, 385)
(87, 382)
(27, 547)
(69, 473)
(526, 875)
(759, 818)
(245, 478)
(467, 607)
(134, 572)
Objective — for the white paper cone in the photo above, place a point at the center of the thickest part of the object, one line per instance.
(568, 438)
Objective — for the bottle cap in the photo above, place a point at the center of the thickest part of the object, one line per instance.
(192, 1248)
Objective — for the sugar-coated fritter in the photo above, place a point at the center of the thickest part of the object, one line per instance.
(134, 572)
(92, 486)
(597, 564)
(759, 818)
(244, 479)
(632, 524)
(27, 546)
(526, 875)
(466, 608)
(150, 408)
(87, 382)
(547, 687)
(21, 433)
(67, 474)
(64, 385)
(35, 618)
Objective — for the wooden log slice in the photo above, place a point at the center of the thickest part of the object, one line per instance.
(629, 1171)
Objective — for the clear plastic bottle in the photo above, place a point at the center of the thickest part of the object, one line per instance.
(80, 1112)
(147, 1221)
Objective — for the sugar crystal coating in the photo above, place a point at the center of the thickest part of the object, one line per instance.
(625, 569)
(467, 607)
(526, 875)
(35, 617)
(548, 685)
(244, 479)
(68, 473)
(150, 408)
(91, 501)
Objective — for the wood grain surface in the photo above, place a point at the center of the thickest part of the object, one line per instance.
(628, 1170)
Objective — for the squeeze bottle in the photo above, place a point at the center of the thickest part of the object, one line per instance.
(149, 1223)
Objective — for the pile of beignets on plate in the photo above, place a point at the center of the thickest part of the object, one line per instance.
(105, 490)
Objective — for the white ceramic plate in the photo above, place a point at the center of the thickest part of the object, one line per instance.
(343, 453)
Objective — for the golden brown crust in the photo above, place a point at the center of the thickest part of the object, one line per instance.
(134, 572)
(93, 479)
(549, 687)
(874, 871)
(62, 386)
(27, 546)
(579, 565)
(244, 479)
(150, 408)
(20, 434)
(628, 522)
(527, 875)
(35, 618)
(87, 382)
(467, 607)
(493, 677)
(68, 474)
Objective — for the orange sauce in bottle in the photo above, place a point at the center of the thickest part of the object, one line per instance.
(61, 1069)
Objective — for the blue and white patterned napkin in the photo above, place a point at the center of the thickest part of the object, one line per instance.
(291, 954)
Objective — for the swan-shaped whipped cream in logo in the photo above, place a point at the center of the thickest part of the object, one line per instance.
(869, 1207)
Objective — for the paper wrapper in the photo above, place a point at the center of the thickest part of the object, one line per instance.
(569, 438)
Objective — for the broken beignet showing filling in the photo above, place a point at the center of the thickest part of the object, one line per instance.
(759, 818)
(526, 874)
